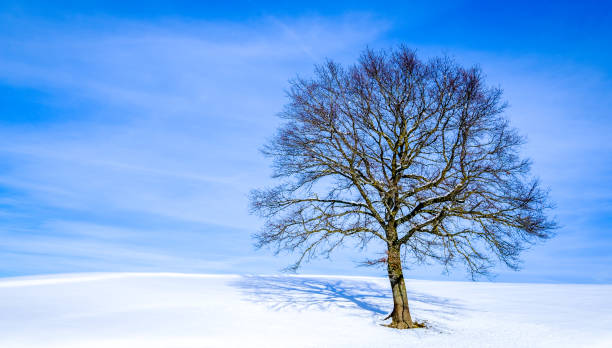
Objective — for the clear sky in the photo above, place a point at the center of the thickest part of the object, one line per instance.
(129, 132)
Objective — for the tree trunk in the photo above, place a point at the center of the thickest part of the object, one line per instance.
(401, 313)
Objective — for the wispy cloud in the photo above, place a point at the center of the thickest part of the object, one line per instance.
(157, 121)
(145, 139)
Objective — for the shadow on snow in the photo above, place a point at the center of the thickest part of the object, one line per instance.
(369, 298)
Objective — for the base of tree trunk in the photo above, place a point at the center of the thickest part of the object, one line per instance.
(404, 325)
(398, 323)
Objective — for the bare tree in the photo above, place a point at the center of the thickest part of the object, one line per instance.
(416, 154)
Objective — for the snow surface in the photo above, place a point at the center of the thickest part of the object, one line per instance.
(187, 310)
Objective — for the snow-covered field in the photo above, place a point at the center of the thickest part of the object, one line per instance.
(182, 310)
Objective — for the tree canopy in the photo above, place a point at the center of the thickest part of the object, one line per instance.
(418, 154)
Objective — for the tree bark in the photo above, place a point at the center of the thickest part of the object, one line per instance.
(400, 316)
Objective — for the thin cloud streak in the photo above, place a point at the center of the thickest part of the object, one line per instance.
(149, 133)
(163, 124)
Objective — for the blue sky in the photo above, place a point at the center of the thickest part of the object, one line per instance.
(129, 132)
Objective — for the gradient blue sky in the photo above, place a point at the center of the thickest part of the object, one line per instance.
(129, 131)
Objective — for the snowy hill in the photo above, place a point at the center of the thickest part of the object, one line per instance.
(182, 310)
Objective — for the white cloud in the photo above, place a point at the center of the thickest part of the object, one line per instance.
(153, 121)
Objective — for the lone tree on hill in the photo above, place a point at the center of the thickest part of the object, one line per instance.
(417, 154)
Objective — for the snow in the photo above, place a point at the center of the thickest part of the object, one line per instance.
(190, 310)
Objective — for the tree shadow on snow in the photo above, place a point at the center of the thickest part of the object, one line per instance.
(301, 293)
(370, 298)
